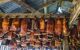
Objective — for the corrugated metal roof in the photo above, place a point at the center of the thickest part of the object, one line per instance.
(36, 4)
(66, 5)
(10, 6)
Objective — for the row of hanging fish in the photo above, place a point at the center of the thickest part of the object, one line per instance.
(57, 26)
(33, 32)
